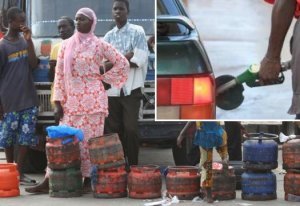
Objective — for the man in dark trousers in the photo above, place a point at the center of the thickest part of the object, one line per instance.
(124, 104)
(18, 97)
(234, 131)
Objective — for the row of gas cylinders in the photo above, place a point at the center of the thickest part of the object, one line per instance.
(259, 158)
(106, 153)
(65, 178)
(110, 179)
(145, 182)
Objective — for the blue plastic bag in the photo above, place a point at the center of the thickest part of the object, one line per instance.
(64, 131)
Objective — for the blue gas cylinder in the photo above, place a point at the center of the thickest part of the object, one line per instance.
(258, 186)
(260, 153)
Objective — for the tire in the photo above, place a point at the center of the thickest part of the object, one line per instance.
(187, 154)
(180, 154)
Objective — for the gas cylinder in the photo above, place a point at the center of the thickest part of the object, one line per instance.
(224, 184)
(63, 153)
(260, 152)
(183, 181)
(238, 171)
(109, 182)
(65, 183)
(9, 180)
(292, 184)
(258, 186)
(291, 154)
(144, 182)
(106, 151)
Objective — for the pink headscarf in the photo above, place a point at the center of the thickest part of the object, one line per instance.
(78, 38)
(89, 13)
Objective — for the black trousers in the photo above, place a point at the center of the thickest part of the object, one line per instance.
(234, 141)
(123, 119)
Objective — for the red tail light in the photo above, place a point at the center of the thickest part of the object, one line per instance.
(164, 91)
(185, 90)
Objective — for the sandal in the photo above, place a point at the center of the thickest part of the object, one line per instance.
(24, 180)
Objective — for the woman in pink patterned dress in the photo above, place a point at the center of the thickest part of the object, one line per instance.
(79, 95)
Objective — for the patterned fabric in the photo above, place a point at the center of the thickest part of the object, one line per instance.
(206, 167)
(81, 91)
(206, 161)
(130, 38)
(92, 126)
(18, 127)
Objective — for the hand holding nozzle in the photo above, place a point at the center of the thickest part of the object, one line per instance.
(229, 89)
(251, 78)
(280, 79)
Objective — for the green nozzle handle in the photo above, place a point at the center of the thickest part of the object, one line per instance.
(251, 78)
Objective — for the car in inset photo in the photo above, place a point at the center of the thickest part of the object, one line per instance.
(185, 85)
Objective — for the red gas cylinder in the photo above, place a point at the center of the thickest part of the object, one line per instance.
(9, 180)
(291, 154)
(106, 151)
(292, 184)
(144, 182)
(109, 182)
(63, 153)
(183, 181)
(224, 183)
(65, 183)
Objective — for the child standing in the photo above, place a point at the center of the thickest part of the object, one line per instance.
(208, 136)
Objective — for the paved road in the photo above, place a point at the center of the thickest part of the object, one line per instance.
(148, 155)
(235, 34)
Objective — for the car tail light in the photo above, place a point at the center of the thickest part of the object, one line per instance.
(185, 90)
(206, 111)
(194, 94)
(164, 91)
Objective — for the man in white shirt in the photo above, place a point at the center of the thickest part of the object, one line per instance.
(124, 104)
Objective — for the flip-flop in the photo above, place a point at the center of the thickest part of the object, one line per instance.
(24, 180)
